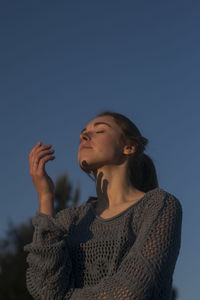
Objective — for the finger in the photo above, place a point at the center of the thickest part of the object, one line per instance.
(33, 150)
(32, 155)
(40, 154)
(41, 148)
(36, 146)
(43, 161)
(37, 158)
(39, 167)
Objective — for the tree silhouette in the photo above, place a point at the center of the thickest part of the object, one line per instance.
(63, 191)
(174, 294)
(13, 262)
(12, 256)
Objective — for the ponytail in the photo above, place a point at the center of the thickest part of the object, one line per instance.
(142, 172)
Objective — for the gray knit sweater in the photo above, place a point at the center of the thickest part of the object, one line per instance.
(78, 255)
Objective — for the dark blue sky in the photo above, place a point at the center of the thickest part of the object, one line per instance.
(63, 62)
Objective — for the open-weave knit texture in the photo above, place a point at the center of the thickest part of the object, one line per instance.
(78, 255)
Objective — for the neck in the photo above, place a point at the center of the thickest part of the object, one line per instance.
(113, 187)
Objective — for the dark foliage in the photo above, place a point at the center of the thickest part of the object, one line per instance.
(13, 262)
(174, 294)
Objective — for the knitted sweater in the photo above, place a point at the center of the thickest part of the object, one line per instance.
(78, 255)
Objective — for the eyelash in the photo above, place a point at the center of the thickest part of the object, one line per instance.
(102, 131)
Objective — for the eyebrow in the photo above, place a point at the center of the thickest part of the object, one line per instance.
(96, 124)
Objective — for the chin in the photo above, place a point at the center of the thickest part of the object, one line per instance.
(86, 167)
(89, 166)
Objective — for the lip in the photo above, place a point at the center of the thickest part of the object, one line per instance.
(85, 147)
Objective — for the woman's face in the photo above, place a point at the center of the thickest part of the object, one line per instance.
(99, 144)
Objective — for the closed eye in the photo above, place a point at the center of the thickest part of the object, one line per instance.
(100, 131)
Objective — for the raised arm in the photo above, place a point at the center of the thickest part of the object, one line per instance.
(49, 274)
(146, 271)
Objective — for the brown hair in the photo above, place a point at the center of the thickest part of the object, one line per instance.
(141, 170)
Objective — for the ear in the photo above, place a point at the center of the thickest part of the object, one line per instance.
(129, 149)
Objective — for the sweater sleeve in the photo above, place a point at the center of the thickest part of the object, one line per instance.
(49, 273)
(146, 271)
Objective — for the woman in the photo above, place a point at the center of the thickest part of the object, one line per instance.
(122, 244)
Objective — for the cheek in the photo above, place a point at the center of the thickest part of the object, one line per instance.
(107, 140)
(103, 143)
(109, 146)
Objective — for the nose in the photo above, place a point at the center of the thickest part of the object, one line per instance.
(84, 136)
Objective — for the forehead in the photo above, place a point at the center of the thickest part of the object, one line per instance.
(108, 120)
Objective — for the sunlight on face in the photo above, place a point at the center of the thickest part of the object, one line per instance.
(99, 143)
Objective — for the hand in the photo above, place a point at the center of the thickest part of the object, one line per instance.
(38, 157)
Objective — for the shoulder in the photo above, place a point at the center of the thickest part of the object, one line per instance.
(171, 200)
(163, 210)
(159, 199)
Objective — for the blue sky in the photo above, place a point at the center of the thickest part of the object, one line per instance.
(63, 62)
